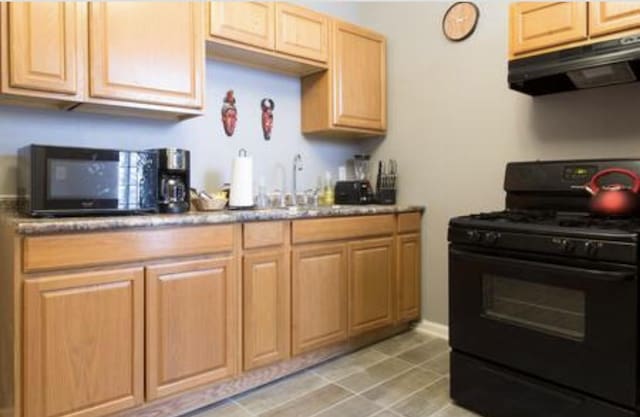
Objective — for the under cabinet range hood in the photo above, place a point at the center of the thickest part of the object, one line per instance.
(589, 66)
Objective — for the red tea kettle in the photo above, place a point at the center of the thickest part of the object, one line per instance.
(614, 199)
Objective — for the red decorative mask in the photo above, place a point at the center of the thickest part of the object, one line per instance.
(229, 113)
(267, 117)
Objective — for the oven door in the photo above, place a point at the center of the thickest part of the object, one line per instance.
(575, 326)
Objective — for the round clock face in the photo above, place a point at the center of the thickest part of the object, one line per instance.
(460, 21)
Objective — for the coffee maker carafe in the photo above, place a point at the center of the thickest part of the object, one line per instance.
(173, 180)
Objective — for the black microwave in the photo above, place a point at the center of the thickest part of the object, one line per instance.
(64, 181)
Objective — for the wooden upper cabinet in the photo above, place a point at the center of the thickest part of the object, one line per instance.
(359, 77)
(192, 325)
(543, 25)
(266, 306)
(83, 344)
(41, 47)
(319, 296)
(408, 276)
(147, 52)
(371, 285)
(302, 32)
(610, 17)
(248, 22)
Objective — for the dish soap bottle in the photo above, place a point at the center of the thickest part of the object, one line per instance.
(328, 195)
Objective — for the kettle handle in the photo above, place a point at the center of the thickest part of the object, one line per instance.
(593, 186)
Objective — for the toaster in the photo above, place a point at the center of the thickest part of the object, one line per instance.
(353, 192)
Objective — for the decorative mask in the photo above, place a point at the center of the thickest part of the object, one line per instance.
(267, 117)
(229, 113)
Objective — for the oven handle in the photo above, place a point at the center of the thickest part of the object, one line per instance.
(608, 276)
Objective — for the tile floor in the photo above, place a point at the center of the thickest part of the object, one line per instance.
(405, 376)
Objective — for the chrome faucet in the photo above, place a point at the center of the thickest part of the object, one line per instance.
(297, 167)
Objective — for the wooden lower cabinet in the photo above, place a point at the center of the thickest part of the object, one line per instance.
(266, 308)
(192, 325)
(408, 276)
(371, 285)
(83, 343)
(99, 342)
(319, 296)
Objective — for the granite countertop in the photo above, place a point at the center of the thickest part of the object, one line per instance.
(35, 226)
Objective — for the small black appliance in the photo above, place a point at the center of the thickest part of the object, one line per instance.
(66, 181)
(354, 192)
(173, 180)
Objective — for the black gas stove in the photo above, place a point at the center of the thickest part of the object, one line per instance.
(544, 299)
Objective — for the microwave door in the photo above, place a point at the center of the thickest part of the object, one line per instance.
(92, 180)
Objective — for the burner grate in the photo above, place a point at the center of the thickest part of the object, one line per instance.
(561, 219)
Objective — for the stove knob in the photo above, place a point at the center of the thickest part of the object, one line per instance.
(474, 235)
(491, 238)
(567, 245)
(591, 247)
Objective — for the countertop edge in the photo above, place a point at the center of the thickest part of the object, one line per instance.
(44, 226)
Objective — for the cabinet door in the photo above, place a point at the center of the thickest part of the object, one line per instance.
(541, 25)
(192, 325)
(267, 298)
(248, 22)
(371, 285)
(359, 78)
(611, 17)
(83, 343)
(147, 52)
(319, 296)
(409, 276)
(301, 32)
(43, 46)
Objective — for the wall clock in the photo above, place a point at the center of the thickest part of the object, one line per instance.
(460, 21)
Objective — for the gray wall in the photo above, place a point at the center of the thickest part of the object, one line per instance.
(453, 124)
(212, 150)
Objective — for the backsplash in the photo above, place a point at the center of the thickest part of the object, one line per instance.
(211, 150)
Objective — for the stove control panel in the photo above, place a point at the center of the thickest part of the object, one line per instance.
(484, 237)
(577, 247)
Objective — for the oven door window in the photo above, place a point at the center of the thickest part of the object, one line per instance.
(544, 308)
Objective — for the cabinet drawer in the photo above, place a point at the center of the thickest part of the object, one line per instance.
(261, 235)
(318, 230)
(409, 222)
(89, 249)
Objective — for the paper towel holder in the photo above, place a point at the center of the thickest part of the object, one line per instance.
(241, 193)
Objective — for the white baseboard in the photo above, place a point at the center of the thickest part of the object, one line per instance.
(433, 329)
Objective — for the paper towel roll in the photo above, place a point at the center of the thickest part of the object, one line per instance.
(241, 194)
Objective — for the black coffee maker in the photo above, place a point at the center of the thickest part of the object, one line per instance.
(173, 180)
